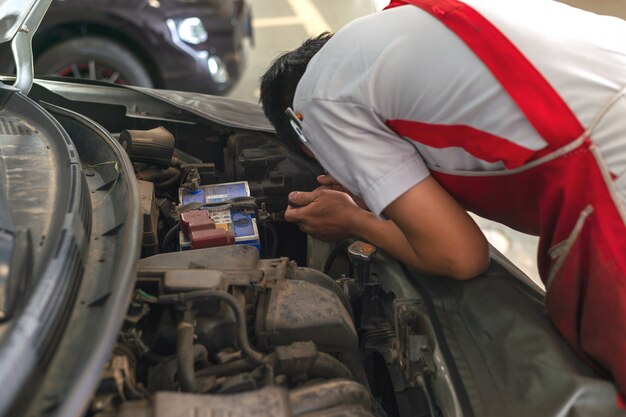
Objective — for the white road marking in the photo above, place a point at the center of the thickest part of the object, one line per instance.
(266, 22)
(310, 17)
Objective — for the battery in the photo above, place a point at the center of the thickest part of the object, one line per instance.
(241, 223)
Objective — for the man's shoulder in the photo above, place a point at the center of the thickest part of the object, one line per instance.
(370, 53)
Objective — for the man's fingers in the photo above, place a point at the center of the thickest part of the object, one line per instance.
(292, 215)
(330, 182)
(301, 198)
(327, 180)
(295, 212)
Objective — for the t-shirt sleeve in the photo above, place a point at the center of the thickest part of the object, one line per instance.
(354, 145)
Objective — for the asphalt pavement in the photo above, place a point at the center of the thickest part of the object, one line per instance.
(282, 25)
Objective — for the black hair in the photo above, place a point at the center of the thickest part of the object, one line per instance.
(278, 86)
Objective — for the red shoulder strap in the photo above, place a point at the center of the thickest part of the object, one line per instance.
(542, 105)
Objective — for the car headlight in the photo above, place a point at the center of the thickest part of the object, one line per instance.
(217, 70)
(191, 30)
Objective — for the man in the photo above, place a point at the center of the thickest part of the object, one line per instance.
(512, 110)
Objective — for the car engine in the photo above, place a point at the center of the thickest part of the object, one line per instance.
(223, 321)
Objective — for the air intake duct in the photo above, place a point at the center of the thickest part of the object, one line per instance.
(155, 146)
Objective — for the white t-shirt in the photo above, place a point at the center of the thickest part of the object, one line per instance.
(405, 64)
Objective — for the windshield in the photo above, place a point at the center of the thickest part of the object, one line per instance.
(12, 15)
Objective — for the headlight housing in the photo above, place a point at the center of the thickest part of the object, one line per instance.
(217, 70)
(191, 30)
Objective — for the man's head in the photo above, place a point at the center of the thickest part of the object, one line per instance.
(278, 86)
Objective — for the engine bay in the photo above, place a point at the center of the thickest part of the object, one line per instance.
(194, 297)
(266, 332)
(223, 321)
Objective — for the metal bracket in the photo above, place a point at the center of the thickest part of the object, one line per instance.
(22, 46)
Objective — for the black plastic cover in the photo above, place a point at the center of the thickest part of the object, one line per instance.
(154, 146)
(299, 311)
(504, 355)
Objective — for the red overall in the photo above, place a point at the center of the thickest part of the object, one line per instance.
(562, 193)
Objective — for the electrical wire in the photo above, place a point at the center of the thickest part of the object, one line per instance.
(274, 233)
(422, 383)
(173, 232)
(269, 227)
(145, 296)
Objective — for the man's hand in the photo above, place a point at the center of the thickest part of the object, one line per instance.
(326, 214)
(428, 229)
(328, 181)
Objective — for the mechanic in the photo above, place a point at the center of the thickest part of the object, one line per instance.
(512, 110)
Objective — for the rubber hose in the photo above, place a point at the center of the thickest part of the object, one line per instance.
(240, 318)
(328, 395)
(157, 175)
(170, 181)
(227, 369)
(339, 248)
(184, 350)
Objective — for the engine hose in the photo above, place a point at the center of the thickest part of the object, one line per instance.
(227, 369)
(179, 157)
(341, 411)
(242, 332)
(175, 179)
(201, 357)
(339, 248)
(185, 353)
(328, 395)
(158, 176)
(165, 375)
(323, 366)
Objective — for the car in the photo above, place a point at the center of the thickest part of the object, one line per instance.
(146, 270)
(173, 44)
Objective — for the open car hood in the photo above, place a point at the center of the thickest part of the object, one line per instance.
(225, 111)
(13, 14)
(228, 111)
(19, 20)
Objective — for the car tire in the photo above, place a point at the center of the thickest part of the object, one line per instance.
(107, 55)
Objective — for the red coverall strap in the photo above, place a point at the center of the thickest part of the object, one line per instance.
(567, 200)
(482, 145)
(536, 98)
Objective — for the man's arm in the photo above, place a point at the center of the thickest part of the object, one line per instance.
(443, 236)
(428, 229)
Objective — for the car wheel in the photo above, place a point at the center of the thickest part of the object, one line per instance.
(95, 59)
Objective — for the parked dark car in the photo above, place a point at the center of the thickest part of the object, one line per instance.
(173, 44)
(117, 300)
